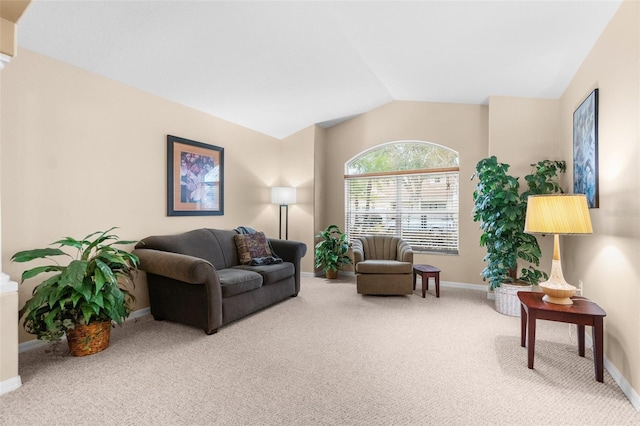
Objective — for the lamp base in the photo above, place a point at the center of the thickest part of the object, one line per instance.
(558, 295)
(556, 289)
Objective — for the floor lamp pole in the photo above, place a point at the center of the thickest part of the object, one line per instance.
(286, 219)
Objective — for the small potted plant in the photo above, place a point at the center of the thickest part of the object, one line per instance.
(501, 209)
(82, 298)
(331, 251)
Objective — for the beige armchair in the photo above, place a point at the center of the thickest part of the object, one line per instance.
(383, 265)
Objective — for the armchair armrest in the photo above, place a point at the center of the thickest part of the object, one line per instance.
(358, 252)
(405, 252)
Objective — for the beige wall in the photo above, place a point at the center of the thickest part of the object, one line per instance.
(459, 127)
(608, 262)
(531, 124)
(82, 153)
(523, 131)
(297, 170)
(320, 210)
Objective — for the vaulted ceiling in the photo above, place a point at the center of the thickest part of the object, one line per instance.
(278, 67)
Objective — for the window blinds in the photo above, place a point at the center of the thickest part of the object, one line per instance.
(421, 208)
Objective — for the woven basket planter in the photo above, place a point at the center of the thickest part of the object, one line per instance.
(331, 274)
(89, 339)
(507, 302)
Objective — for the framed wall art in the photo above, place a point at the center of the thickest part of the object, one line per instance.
(195, 178)
(585, 149)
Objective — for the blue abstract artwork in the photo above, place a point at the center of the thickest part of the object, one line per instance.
(585, 149)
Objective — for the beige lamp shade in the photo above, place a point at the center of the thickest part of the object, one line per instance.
(558, 214)
(283, 195)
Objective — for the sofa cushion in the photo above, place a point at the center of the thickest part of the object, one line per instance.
(235, 281)
(251, 246)
(383, 267)
(271, 273)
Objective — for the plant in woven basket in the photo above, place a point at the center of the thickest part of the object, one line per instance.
(501, 210)
(331, 250)
(85, 291)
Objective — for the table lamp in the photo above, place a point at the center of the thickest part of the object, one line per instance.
(283, 196)
(565, 214)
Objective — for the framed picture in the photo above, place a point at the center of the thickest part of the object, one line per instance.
(585, 149)
(195, 178)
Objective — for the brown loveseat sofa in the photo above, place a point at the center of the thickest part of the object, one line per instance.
(196, 277)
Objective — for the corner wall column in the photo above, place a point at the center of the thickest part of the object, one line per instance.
(9, 378)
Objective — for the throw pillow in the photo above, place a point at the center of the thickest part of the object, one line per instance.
(251, 246)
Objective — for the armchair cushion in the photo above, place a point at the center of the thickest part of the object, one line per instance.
(384, 267)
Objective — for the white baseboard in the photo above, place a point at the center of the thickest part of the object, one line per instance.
(139, 313)
(34, 344)
(10, 385)
(466, 286)
(625, 387)
(617, 377)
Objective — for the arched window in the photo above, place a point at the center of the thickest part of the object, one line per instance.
(405, 188)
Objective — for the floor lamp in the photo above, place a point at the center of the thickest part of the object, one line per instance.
(557, 214)
(283, 195)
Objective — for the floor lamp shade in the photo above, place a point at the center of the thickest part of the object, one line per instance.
(557, 214)
(283, 195)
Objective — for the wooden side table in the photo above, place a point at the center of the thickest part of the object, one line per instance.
(582, 312)
(426, 272)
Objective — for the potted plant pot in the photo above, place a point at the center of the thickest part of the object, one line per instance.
(331, 274)
(89, 339)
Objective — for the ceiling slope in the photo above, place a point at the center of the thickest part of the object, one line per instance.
(278, 67)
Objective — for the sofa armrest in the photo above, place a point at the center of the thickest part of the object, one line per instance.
(290, 251)
(188, 269)
(405, 252)
(182, 288)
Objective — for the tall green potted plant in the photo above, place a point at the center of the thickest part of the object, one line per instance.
(331, 251)
(501, 209)
(82, 298)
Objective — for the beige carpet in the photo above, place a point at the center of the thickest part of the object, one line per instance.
(327, 357)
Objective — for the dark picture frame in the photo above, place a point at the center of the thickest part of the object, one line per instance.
(585, 150)
(195, 178)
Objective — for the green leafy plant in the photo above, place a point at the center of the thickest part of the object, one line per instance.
(331, 251)
(85, 290)
(501, 210)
